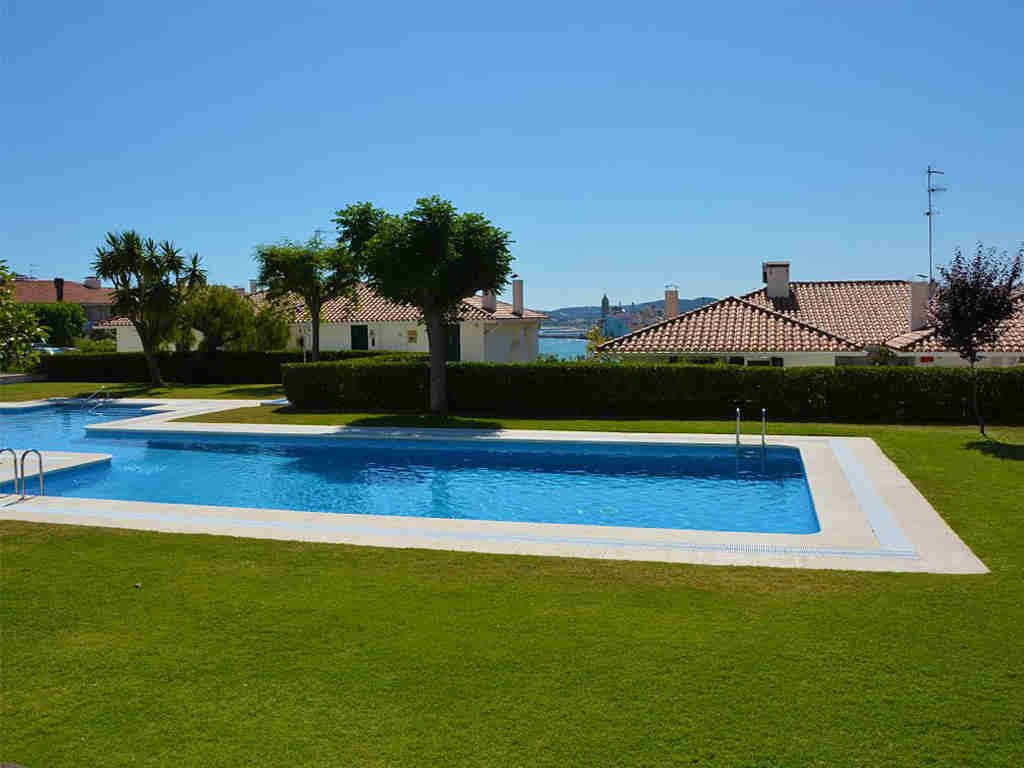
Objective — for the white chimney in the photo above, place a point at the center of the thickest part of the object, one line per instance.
(920, 297)
(517, 297)
(671, 302)
(489, 301)
(775, 274)
(92, 282)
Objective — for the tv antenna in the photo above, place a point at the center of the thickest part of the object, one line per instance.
(930, 213)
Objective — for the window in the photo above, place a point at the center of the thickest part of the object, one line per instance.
(776, 362)
(759, 362)
(735, 361)
(360, 337)
(411, 335)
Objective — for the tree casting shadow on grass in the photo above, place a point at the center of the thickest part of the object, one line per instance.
(249, 391)
(1011, 451)
(424, 420)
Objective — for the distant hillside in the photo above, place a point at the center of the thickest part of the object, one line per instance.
(590, 315)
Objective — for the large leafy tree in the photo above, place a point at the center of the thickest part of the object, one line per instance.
(269, 328)
(228, 320)
(972, 301)
(223, 317)
(432, 257)
(313, 271)
(19, 327)
(151, 284)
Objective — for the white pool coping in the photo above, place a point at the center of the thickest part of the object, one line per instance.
(871, 516)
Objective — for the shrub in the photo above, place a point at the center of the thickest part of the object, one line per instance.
(224, 367)
(668, 391)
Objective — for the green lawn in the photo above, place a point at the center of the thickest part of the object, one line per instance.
(239, 651)
(38, 390)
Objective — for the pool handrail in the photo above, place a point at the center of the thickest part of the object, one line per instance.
(14, 459)
(93, 395)
(39, 456)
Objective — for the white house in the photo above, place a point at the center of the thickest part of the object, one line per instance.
(488, 330)
(833, 322)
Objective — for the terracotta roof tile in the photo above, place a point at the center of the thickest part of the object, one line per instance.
(1011, 338)
(44, 292)
(372, 308)
(866, 312)
(728, 325)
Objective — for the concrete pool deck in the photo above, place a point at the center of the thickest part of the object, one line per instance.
(871, 516)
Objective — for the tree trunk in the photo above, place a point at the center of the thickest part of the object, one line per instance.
(437, 337)
(314, 313)
(974, 400)
(148, 349)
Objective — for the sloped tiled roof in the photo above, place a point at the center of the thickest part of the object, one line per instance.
(115, 322)
(728, 325)
(867, 312)
(373, 308)
(1011, 338)
(44, 292)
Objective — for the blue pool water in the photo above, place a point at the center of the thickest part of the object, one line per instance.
(651, 486)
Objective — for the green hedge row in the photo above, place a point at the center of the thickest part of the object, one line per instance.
(869, 394)
(187, 367)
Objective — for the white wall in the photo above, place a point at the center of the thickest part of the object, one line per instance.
(480, 341)
(128, 339)
(953, 360)
(515, 342)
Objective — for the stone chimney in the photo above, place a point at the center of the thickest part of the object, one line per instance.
(920, 297)
(58, 285)
(489, 301)
(775, 274)
(92, 282)
(671, 302)
(254, 286)
(517, 297)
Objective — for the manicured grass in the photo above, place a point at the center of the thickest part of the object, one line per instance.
(239, 651)
(38, 390)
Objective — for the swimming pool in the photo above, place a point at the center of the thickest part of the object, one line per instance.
(696, 487)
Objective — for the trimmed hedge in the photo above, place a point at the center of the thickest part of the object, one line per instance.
(188, 367)
(890, 394)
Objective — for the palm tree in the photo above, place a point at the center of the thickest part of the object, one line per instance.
(151, 282)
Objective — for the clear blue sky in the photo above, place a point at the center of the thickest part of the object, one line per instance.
(624, 145)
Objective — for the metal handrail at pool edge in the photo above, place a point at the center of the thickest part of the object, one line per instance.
(24, 484)
(14, 460)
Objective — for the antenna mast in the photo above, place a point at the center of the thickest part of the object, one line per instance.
(930, 213)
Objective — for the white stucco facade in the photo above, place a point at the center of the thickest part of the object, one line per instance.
(503, 341)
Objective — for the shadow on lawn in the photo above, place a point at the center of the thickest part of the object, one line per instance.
(424, 421)
(1011, 451)
(250, 392)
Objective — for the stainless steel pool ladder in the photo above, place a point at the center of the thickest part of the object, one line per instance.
(14, 460)
(39, 456)
(94, 396)
(764, 427)
(737, 427)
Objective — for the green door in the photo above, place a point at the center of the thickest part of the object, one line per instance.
(360, 337)
(454, 343)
